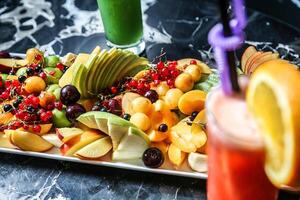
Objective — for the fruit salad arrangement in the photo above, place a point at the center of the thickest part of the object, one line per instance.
(107, 105)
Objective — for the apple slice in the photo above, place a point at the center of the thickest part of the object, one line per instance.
(264, 58)
(246, 55)
(66, 134)
(80, 141)
(5, 142)
(28, 141)
(126, 102)
(198, 162)
(53, 139)
(6, 64)
(132, 145)
(96, 149)
(176, 156)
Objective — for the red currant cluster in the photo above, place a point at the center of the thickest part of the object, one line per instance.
(10, 88)
(161, 72)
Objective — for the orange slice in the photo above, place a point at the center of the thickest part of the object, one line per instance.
(273, 97)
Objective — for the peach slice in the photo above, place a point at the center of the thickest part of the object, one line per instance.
(5, 142)
(5, 118)
(176, 156)
(95, 149)
(191, 101)
(157, 136)
(161, 146)
(254, 59)
(78, 142)
(168, 117)
(246, 55)
(200, 137)
(141, 74)
(28, 141)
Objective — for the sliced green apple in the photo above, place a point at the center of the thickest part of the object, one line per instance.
(132, 145)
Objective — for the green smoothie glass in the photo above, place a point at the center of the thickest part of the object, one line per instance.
(123, 25)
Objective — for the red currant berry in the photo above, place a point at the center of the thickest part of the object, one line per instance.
(50, 106)
(140, 86)
(7, 84)
(160, 65)
(154, 76)
(114, 90)
(43, 75)
(165, 72)
(156, 82)
(146, 86)
(133, 83)
(60, 66)
(17, 124)
(38, 57)
(58, 105)
(4, 95)
(193, 62)
(170, 82)
(36, 128)
(16, 83)
(25, 126)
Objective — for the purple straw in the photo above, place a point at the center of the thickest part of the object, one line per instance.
(223, 44)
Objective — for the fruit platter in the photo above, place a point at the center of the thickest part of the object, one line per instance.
(110, 108)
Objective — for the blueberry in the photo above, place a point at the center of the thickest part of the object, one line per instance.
(103, 109)
(16, 103)
(153, 157)
(29, 71)
(163, 128)
(7, 107)
(126, 116)
(21, 79)
(30, 109)
(193, 115)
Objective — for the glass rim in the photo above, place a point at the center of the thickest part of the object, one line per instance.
(226, 136)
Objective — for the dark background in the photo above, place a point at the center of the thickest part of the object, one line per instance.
(179, 26)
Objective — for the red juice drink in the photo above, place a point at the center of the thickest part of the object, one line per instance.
(235, 152)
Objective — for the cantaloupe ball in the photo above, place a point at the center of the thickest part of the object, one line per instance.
(141, 120)
(141, 105)
(172, 97)
(184, 82)
(195, 71)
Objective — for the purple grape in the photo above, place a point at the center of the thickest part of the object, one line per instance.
(151, 95)
(69, 95)
(153, 157)
(4, 54)
(73, 111)
(114, 107)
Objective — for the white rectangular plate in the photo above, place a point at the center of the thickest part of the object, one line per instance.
(54, 154)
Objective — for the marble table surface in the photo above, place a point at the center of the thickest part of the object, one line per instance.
(75, 26)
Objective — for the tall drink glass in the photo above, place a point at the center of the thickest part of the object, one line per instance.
(235, 152)
(122, 20)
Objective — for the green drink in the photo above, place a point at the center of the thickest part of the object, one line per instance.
(122, 20)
